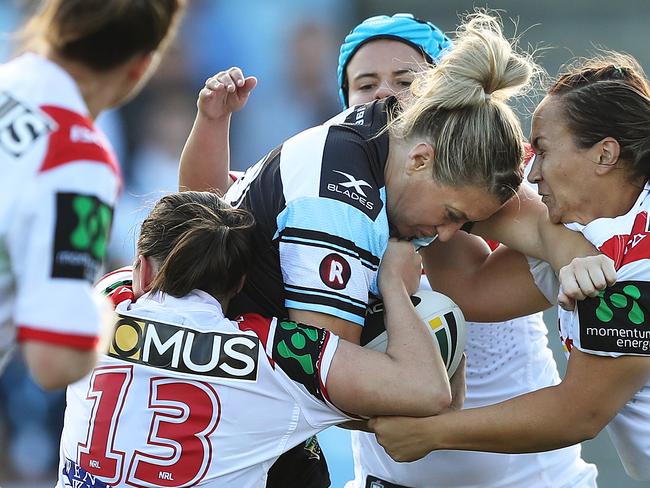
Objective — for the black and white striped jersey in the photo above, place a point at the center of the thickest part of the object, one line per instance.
(320, 205)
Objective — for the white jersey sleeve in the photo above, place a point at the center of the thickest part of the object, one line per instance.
(615, 323)
(60, 182)
(304, 354)
(58, 231)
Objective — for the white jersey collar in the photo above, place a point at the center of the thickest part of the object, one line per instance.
(196, 300)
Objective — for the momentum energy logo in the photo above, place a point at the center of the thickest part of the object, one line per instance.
(83, 224)
(174, 348)
(618, 319)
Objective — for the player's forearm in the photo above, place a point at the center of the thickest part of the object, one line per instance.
(538, 421)
(517, 224)
(560, 245)
(487, 287)
(205, 160)
(54, 366)
(418, 362)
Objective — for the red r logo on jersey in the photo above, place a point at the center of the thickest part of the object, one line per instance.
(335, 271)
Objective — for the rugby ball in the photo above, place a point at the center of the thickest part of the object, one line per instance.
(442, 316)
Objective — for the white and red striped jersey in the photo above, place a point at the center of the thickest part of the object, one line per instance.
(616, 322)
(59, 184)
(186, 396)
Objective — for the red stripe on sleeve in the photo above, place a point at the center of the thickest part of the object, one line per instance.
(26, 334)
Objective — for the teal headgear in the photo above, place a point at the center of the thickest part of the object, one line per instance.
(421, 35)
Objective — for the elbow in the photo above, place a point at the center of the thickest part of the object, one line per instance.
(436, 400)
(589, 426)
(49, 379)
(443, 400)
(56, 376)
(54, 367)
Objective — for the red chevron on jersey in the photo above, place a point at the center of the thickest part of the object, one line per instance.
(627, 248)
(75, 140)
(261, 326)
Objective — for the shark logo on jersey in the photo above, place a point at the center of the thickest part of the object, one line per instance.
(20, 125)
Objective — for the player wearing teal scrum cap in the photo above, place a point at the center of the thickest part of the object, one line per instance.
(423, 36)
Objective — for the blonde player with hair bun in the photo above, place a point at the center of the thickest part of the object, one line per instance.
(327, 200)
(504, 359)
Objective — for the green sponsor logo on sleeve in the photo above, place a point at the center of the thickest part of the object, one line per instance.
(82, 229)
(615, 320)
(91, 233)
(297, 350)
(628, 300)
(296, 344)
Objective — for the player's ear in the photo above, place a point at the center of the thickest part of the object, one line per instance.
(421, 158)
(147, 273)
(241, 284)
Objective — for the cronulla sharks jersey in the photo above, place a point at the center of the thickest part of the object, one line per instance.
(320, 205)
(188, 397)
(617, 321)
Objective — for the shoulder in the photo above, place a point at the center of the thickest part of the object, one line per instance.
(75, 139)
(299, 350)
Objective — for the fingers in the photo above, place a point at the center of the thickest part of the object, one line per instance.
(565, 302)
(585, 277)
(229, 79)
(609, 269)
(249, 84)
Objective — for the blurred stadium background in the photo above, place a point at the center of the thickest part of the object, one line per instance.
(292, 47)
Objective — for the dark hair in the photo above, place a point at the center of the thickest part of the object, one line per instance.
(199, 242)
(103, 34)
(609, 96)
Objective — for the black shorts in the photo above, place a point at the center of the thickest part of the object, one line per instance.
(304, 466)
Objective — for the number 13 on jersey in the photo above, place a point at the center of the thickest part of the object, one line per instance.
(178, 450)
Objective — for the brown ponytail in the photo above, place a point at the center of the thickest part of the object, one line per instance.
(102, 34)
(199, 242)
